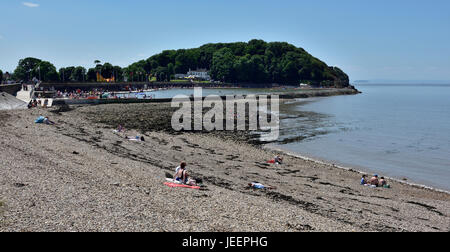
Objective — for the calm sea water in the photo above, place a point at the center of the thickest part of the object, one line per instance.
(400, 131)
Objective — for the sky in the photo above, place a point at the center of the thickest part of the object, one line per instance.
(369, 40)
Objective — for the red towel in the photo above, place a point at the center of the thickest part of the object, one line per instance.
(271, 161)
(180, 185)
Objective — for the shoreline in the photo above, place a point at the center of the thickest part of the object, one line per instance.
(349, 168)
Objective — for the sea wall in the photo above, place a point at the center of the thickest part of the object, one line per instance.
(138, 85)
(290, 95)
(11, 89)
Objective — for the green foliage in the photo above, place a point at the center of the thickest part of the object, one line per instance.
(29, 68)
(254, 62)
(1, 76)
(91, 75)
(78, 74)
(65, 73)
(46, 71)
(118, 73)
(24, 70)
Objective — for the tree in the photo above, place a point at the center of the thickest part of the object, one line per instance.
(161, 73)
(65, 73)
(1, 76)
(46, 71)
(222, 67)
(118, 73)
(107, 70)
(91, 75)
(24, 70)
(170, 71)
(78, 74)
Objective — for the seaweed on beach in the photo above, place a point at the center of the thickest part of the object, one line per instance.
(158, 118)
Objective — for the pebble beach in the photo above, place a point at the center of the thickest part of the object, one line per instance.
(80, 175)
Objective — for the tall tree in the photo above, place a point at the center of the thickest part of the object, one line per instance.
(78, 74)
(46, 71)
(24, 70)
(222, 67)
(65, 73)
(118, 73)
(107, 70)
(91, 75)
(1, 76)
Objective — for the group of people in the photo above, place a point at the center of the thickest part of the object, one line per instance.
(182, 176)
(374, 181)
(35, 103)
(79, 94)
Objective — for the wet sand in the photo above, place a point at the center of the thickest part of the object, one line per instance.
(79, 175)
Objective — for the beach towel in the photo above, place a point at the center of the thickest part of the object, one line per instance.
(40, 119)
(173, 185)
(271, 161)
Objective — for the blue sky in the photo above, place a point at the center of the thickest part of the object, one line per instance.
(394, 40)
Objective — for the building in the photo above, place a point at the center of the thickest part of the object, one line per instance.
(199, 74)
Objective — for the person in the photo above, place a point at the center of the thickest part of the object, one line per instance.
(47, 121)
(45, 103)
(30, 104)
(257, 185)
(383, 183)
(363, 180)
(278, 159)
(182, 175)
(374, 180)
(120, 128)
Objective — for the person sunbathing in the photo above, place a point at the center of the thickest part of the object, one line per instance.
(257, 185)
(363, 180)
(383, 183)
(47, 121)
(374, 180)
(278, 159)
(181, 175)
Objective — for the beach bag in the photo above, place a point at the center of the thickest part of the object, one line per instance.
(40, 119)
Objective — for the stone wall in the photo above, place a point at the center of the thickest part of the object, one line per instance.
(11, 89)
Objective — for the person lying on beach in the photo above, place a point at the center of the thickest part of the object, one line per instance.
(48, 122)
(137, 138)
(278, 159)
(257, 185)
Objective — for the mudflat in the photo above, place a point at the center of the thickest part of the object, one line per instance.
(79, 175)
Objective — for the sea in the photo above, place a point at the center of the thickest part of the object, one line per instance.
(398, 131)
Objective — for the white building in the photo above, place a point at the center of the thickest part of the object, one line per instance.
(199, 74)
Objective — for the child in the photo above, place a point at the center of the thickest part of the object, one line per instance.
(363, 180)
